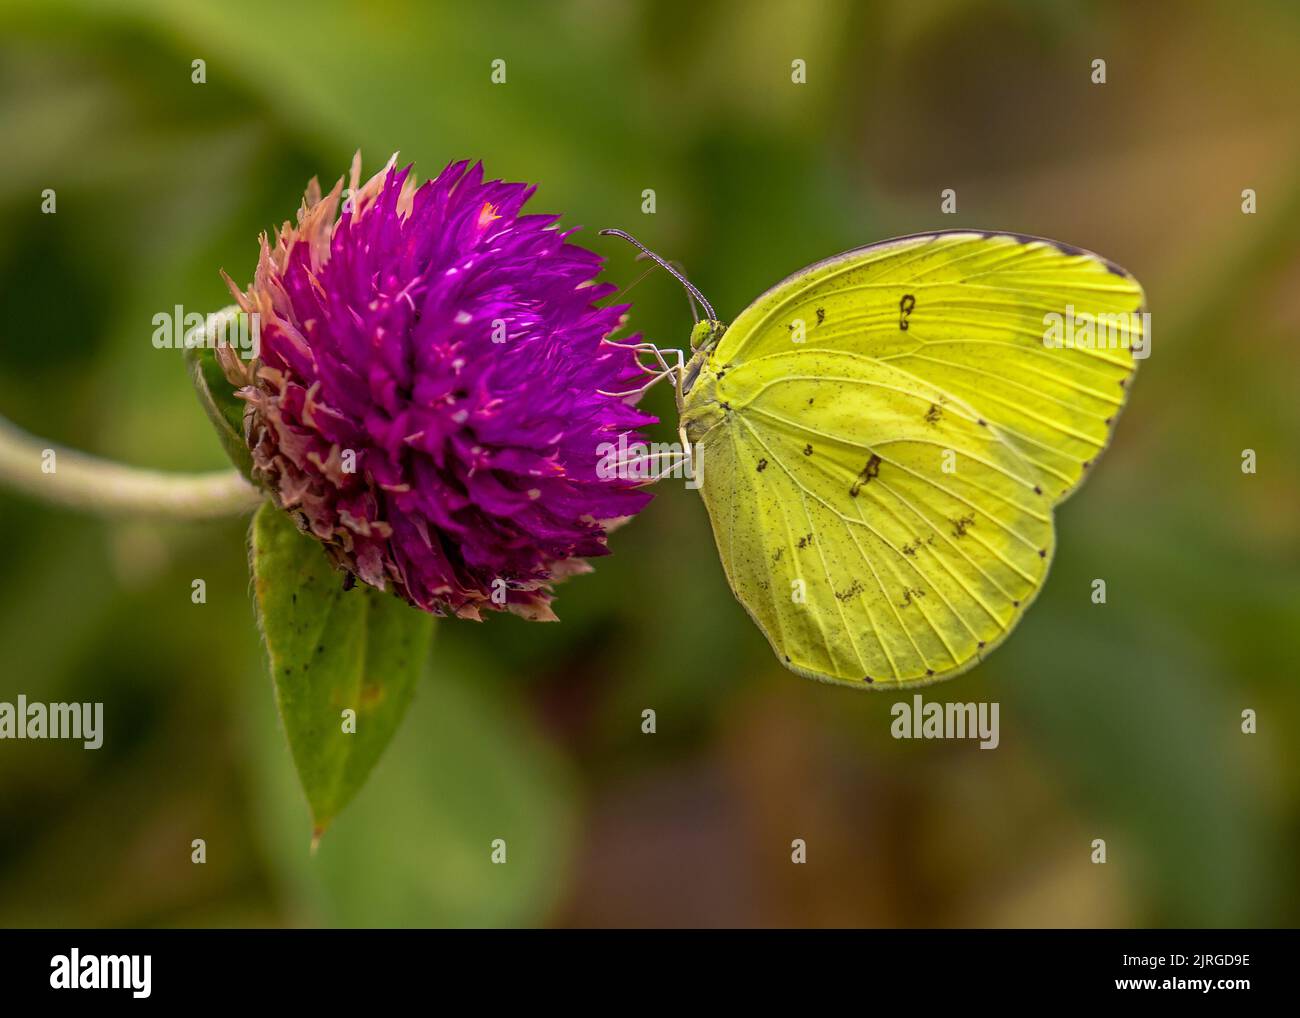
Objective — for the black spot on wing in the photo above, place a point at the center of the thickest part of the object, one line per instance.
(960, 526)
(905, 307)
(850, 592)
(872, 469)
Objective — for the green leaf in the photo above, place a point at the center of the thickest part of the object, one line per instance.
(332, 651)
(224, 409)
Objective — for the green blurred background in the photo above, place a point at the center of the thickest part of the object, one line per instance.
(1119, 721)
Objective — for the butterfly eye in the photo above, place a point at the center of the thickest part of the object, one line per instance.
(700, 334)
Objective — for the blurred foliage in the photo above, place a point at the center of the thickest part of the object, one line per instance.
(1119, 721)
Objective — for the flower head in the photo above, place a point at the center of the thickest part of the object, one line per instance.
(432, 389)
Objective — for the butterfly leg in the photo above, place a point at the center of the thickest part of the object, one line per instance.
(666, 471)
(663, 369)
(635, 466)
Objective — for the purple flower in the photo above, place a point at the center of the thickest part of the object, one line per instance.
(429, 400)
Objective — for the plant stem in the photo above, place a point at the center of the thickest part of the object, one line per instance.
(88, 482)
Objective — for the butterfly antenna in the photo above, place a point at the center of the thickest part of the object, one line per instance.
(695, 308)
(675, 273)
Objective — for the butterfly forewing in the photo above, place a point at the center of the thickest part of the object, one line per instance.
(969, 313)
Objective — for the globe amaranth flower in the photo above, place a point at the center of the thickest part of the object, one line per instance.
(433, 386)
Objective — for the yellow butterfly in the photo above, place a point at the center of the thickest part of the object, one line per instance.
(882, 437)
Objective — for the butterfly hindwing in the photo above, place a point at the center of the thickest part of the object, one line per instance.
(887, 436)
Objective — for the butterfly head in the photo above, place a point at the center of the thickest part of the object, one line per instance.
(706, 334)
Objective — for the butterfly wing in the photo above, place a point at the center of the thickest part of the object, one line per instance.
(884, 436)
